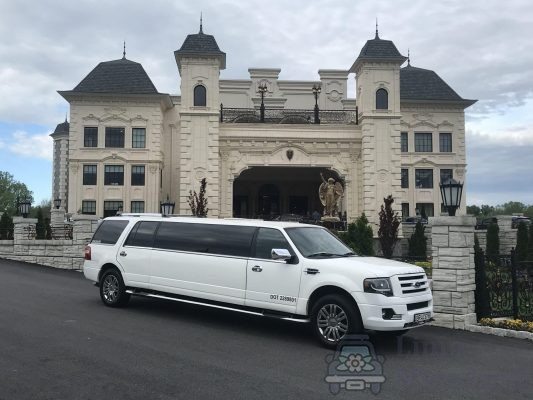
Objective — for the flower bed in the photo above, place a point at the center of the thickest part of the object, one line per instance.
(514, 324)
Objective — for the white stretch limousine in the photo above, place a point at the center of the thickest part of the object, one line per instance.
(280, 269)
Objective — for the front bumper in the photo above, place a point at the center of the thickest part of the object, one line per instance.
(372, 313)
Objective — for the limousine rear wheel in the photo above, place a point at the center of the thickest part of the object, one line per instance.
(112, 289)
(333, 317)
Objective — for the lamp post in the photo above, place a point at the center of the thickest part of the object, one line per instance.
(167, 208)
(316, 92)
(57, 203)
(262, 89)
(451, 192)
(24, 207)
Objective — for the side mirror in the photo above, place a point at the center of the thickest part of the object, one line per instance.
(281, 254)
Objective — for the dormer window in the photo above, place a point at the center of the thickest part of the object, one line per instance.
(382, 99)
(199, 96)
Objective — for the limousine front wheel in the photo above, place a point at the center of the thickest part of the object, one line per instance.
(333, 317)
(113, 290)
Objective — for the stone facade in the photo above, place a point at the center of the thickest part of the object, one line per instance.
(453, 271)
(65, 254)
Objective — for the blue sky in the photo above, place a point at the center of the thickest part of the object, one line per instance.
(482, 48)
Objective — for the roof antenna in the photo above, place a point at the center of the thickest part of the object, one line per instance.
(408, 58)
(201, 24)
(377, 36)
(124, 51)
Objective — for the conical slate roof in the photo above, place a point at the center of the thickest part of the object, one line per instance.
(61, 129)
(378, 49)
(201, 44)
(424, 84)
(118, 76)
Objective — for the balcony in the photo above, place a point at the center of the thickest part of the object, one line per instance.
(287, 116)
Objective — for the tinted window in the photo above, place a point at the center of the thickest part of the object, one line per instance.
(109, 231)
(312, 241)
(382, 99)
(268, 239)
(142, 234)
(205, 238)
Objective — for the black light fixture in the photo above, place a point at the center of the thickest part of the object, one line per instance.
(262, 89)
(451, 192)
(167, 208)
(316, 91)
(24, 207)
(57, 203)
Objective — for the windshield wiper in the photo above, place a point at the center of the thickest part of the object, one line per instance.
(322, 254)
(350, 253)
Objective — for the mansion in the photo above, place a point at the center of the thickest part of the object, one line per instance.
(261, 143)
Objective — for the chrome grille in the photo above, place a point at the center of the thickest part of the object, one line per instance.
(412, 284)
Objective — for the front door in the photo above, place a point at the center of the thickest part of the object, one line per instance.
(272, 284)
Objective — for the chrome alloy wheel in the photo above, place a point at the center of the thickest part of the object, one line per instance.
(332, 322)
(110, 288)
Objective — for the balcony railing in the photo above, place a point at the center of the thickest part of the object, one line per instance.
(287, 116)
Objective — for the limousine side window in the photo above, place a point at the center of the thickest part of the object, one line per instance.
(229, 240)
(268, 239)
(142, 235)
(109, 231)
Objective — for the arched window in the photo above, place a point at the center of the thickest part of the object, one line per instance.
(199, 96)
(382, 99)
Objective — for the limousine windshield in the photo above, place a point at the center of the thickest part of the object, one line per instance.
(317, 242)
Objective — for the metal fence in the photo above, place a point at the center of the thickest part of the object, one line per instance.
(507, 289)
(287, 116)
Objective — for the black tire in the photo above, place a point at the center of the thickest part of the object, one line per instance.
(112, 289)
(329, 324)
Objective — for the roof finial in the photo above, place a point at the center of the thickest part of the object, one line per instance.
(408, 58)
(201, 24)
(377, 36)
(124, 51)
(65, 116)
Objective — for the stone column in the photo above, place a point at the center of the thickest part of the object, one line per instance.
(22, 227)
(453, 270)
(82, 232)
(57, 217)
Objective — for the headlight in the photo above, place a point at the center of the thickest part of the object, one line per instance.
(378, 285)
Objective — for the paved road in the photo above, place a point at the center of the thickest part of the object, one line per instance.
(57, 341)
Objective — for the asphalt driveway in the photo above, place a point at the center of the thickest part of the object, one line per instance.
(57, 341)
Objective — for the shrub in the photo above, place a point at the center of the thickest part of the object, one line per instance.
(418, 241)
(40, 228)
(530, 244)
(493, 242)
(481, 294)
(359, 236)
(198, 202)
(388, 227)
(6, 227)
(521, 242)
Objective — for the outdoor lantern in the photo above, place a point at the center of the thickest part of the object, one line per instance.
(24, 207)
(167, 208)
(451, 192)
(57, 203)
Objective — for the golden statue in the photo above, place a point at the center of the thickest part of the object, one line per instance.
(329, 193)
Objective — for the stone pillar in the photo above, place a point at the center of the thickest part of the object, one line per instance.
(453, 270)
(82, 232)
(21, 228)
(57, 217)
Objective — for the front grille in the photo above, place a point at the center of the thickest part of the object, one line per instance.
(416, 306)
(410, 284)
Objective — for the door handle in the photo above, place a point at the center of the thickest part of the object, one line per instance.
(123, 253)
(312, 271)
(257, 268)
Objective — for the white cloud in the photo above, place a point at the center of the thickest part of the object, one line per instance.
(35, 146)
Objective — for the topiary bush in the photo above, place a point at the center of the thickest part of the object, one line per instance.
(359, 236)
(493, 242)
(418, 241)
(521, 242)
(389, 223)
(6, 226)
(481, 294)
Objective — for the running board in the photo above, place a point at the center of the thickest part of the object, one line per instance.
(220, 307)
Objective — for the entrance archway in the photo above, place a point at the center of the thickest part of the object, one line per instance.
(268, 192)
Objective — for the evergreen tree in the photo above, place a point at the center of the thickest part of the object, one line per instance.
(48, 228)
(481, 293)
(6, 226)
(198, 202)
(40, 228)
(418, 241)
(521, 242)
(493, 242)
(359, 236)
(530, 244)
(388, 227)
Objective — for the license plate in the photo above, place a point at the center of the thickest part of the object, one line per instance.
(422, 317)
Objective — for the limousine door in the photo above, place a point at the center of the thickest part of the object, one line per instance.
(272, 284)
(135, 254)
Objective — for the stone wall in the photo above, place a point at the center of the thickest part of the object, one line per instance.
(65, 254)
